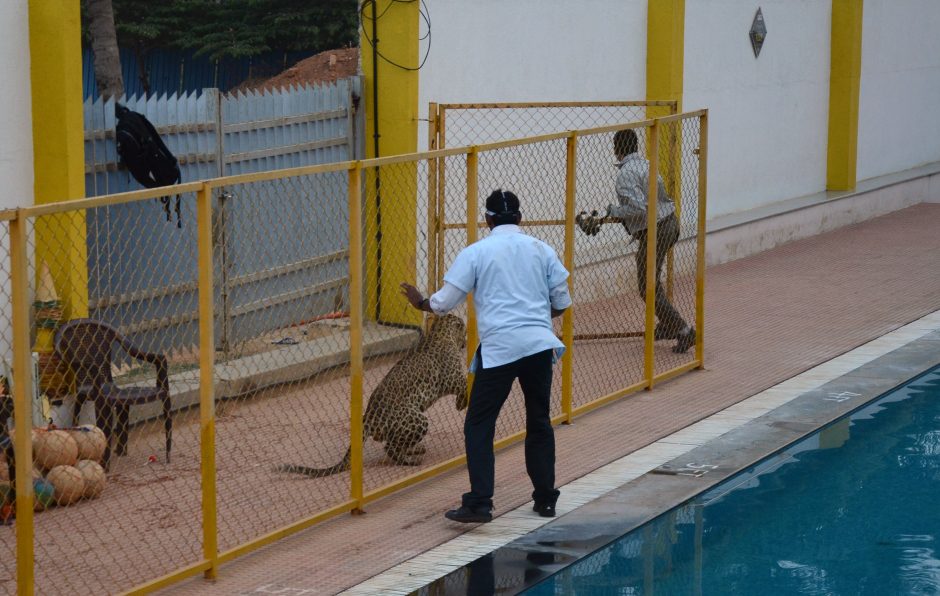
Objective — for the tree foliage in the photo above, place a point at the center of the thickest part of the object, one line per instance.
(235, 28)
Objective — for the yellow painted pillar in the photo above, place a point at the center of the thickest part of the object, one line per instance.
(58, 148)
(22, 410)
(665, 47)
(844, 77)
(389, 48)
(665, 53)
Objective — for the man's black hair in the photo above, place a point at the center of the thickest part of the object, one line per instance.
(503, 207)
(625, 142)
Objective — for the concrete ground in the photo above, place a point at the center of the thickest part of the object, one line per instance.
(769, 317)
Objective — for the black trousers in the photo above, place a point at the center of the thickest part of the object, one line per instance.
(667, 234)
(491, 387)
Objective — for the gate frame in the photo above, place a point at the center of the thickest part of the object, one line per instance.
(437, 224)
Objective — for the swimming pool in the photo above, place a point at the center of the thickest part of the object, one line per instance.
(852, 509)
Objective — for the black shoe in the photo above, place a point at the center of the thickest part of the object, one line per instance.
(685, 341)
(466, 515)
(544, 509)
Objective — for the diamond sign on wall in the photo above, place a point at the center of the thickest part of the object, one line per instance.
(758, 32)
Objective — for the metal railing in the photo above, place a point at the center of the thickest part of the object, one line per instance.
(237, 420)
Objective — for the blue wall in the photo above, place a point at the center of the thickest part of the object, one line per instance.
(198, 72)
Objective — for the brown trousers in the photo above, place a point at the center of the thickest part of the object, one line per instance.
(667, 234)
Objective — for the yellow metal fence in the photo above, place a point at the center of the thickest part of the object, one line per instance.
(466, 124)
(205, 442)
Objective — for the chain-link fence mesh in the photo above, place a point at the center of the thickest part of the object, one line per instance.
(679, 167)
(412, 421)
(115, 324)
(281, 311)
(536, 174)
(462, 125)
(110, 513)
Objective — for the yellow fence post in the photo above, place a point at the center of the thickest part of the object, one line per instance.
(648, 364)
(433, 224)
(567, 321)
(700, 248)
(210, 533)
(355, 335)
(441, 194)
(672, 136)
(22, 406)
(473, 218)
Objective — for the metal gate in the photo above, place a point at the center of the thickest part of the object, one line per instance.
(461, 125)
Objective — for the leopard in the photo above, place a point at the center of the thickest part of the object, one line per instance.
(395, 414)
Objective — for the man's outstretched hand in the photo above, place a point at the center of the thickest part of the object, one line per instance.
(589, 224)
(412, 293)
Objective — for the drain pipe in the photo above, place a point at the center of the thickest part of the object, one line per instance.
(375, 147)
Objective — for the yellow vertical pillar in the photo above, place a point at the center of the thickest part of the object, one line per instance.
(665, 47)
(210, 528)
(22, 410)
(473, 217)
(567, 322)
(649, 365)
(844, 77)
(389, 47)
(355, 337)
(58, 147)
(665, 60)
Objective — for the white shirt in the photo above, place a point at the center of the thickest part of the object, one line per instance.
(632, 186)
(516, 281)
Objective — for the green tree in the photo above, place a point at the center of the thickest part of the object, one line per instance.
(315, 25)
(144, 25)
(222, 28)
(230, 28)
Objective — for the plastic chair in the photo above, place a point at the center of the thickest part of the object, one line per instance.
(86, 346)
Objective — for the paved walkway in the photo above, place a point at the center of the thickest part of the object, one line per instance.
(769, 317)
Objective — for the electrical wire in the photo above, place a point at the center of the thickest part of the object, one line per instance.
(425, 15)
(363, 14)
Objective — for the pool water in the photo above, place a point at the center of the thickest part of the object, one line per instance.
(852, 509)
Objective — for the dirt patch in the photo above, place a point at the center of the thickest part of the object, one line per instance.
(325, 67)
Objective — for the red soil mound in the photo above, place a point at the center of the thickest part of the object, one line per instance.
(324, 67)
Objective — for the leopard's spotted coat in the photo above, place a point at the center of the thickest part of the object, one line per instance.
(395, 413)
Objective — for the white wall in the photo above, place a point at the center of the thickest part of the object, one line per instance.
(768, 116)
(533, 50)
(899, 99)
(16, 135)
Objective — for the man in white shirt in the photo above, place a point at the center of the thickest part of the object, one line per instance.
(518, 286)
(632, 187)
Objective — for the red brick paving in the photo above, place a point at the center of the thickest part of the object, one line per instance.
(769, 317)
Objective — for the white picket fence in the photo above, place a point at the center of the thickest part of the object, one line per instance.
(260, 131)
(216, 135)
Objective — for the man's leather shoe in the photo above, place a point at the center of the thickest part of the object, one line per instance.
(466, 515)
(544, 509)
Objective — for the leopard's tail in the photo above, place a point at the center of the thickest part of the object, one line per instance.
(342, 466)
